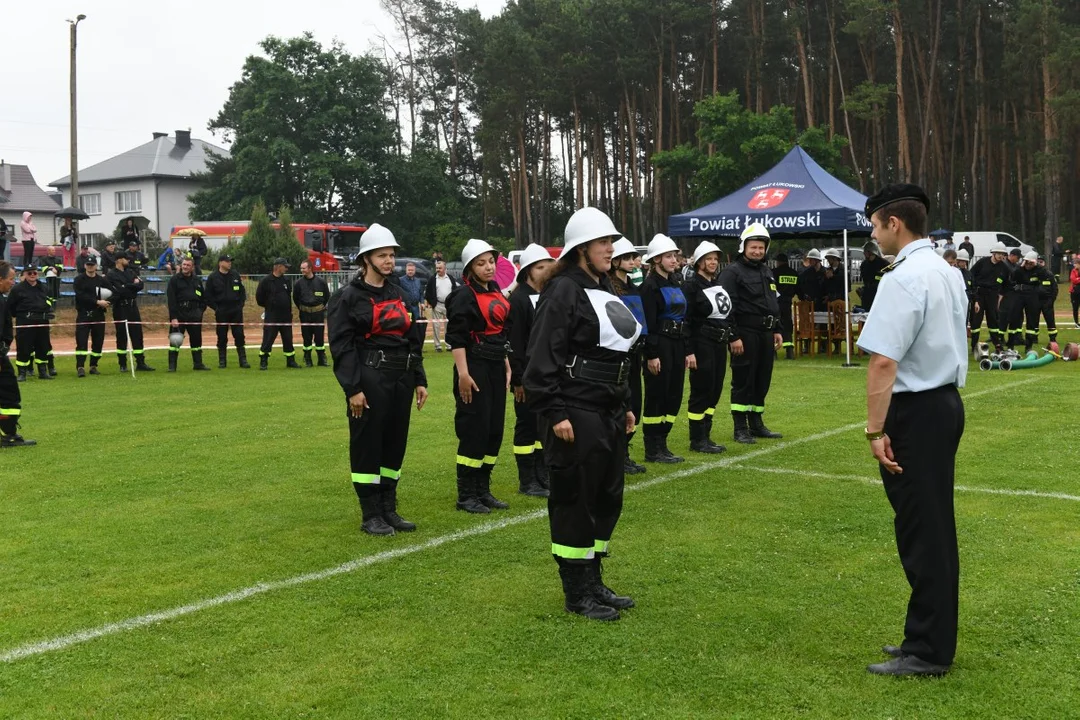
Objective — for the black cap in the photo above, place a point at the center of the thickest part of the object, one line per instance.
(91, 259)
(30, 268)
(281, 261)
(1016, 251)
(109, 242)
(225, 257)
(895, 193)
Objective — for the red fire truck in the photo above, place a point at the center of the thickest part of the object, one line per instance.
(326, 243)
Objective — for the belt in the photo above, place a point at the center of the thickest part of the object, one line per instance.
(488, 351)
(716, 334)
(755, 322)
(672, 328)
(381, 360)
(34, 316)
(604, 372)
(311, 308)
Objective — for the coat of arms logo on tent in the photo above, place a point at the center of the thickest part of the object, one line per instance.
(766, 199)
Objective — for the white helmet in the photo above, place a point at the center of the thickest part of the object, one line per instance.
(176, 338)
(473, 249)
(833, 253)
(585, 225)
(621, 247)
(104, 293)
(532, 254)
(376, 237)
(754, 231)
(814, 254)
(702, 250)
(659, 245)
(1031, 256)
(963, 256)
(999, 248)
(872, 247)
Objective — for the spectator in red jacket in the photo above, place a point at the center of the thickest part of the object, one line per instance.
(1074, 293)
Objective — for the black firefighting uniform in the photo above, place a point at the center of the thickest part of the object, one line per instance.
(870, 272)
(89, 318)
(108, 261)
(126, 316)
(989, 280)
(787, 281)
(30, 306)
(1050, 293)
(475, 322)
(630, 295)
(311, 297)
(138, 262)
(1009, 301)
(187, 305)
(969, 290)
(1028, 299)
(708, 310)
(374, 353)
(519, 325)
(665, 314)
(577, 371)
(226, 294)
(274, 294)
(833, 287)
(811, 286)
(754, 320)
(56, 265)
(10, 397)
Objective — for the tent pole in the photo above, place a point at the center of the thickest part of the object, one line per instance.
(847, 302)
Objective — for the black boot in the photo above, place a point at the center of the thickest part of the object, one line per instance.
(699, 439)
(389, 506)
(576, 579)
(196, 360)
(322, 358)
(307, 359)
(758, 429)
(466, 493)
(52, 366)
(742, 430)
(16, 440)
(263, 362)
(672, 457)
(122, 359)
(654, 451)
(371, 506)
(222, 358)
(527, 484)
(80, 371)
(540, 470)
(43, 372)
(290, 362)
(483, 491)
(241, 354)
(94, 370)
(602, 593)
(140, 364)
(172, 360)
(629, 466)
(708, 435)
(22, 374)
(789, 353)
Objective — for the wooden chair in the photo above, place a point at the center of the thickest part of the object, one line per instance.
(805, 329)
(837, 329)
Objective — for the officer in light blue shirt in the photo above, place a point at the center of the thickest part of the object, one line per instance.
(916, 336)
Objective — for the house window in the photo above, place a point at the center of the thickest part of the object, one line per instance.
(129, 201)
(90, 204)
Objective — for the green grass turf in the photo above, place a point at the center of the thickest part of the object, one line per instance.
(760, 595)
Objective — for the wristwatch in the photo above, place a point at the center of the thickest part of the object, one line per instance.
(871, 436)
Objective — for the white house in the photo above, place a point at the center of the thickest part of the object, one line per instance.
(19, 193)
(151, 182)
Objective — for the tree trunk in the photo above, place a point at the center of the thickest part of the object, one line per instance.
(928, 98)
(903, 150)
(804, 67)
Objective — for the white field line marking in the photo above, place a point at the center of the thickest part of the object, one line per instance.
(64, 641)
(795, 473)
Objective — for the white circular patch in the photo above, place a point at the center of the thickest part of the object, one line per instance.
(719, 301)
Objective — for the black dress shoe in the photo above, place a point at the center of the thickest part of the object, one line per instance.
(892, 650)
(906, 665)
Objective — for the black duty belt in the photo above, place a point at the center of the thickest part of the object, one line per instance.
(488, 351)
(758, 322)
(716, 334)
(311, 308)
(597, 371)
(37, 316)
(672, 328)
(382, 360)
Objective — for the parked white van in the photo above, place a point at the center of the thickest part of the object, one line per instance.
(983, 241)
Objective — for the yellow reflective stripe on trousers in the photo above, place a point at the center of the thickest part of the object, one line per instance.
(711, 411)
(490, 459)
(10, 412)
(758, 409)
(646, 420)
(670, 418)
(469, 462)
(366, 478)
(572, 553)
(601, 546)
(524, 449)
(741, 408)
(390, 474)
(695, 416)
(539, 445)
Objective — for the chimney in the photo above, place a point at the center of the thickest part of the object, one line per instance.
(5, 176)
(183, 138)
(160, 135)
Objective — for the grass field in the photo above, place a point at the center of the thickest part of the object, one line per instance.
(766, 579)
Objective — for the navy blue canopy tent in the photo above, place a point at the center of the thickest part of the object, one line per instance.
(797, 197)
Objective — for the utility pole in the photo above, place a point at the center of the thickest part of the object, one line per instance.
(74, 124)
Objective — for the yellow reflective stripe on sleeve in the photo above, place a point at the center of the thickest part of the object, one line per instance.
(601, 546)
(390, 474)
(365, 478)
(741, 408)
(695, 416)
(490, 459)
(469, 462)
(572, 553)
(524, 449)
(646, 420)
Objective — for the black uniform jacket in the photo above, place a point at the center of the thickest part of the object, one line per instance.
(225, 291)
(655, 292)
(1032, 280)
(467, 324)
(833, 287)
(123, 285)
(185, 296)
(988, 276)
(753, 294)
(787, 281)
(87, 296)
(364, 318)
(26, 298)
(7, 333)
(566, 328)
(708, 305)
(275, 294)
(870, 272)
(311, 293)
(519, 325)
(811, 285)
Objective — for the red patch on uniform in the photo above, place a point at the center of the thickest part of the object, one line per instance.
(389, 318)
(494, 308)
(765, 199)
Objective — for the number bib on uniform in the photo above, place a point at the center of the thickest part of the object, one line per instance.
(719, 301)
(618, 328)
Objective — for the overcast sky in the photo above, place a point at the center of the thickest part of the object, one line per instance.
(144, 68)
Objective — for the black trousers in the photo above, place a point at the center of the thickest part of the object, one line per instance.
(34, 345)
(191, 328)
(231, 319)
(1051, 321)
(925, 430)
(1024, 309)
(751, 372)
(1010, 318)
(586, 482)
(664, 391)
(128, 321)
(635, 384)
(313, 331)
(787, 323)
(1075, 298)
(988, 308)
(10, 398)
(526, 431)
(272, 327)
(707, 382)
(377, 439)
(28, 251)
(479, 424)
(89, 340)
